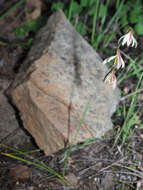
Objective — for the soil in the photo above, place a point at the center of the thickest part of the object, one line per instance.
(95, 165)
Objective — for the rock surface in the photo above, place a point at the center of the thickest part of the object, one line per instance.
(61, 73)
(11, 133)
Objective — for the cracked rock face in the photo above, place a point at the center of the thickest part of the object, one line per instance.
(61, 73)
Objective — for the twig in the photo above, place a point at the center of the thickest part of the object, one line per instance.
(127, 56)
(128, 173)
(114, 163)
(131, 94)
(140, 174)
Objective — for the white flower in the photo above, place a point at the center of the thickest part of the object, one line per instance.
(111, 79)
(118, 61)
(128, 39)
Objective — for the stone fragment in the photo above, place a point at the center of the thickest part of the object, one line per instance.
(61, 73)
(72, 179)
(20, 172)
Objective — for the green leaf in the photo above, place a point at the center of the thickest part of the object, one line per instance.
(108, 37)
(30, 26)
(139, 28)
(91, 12)
(140, 18)
(91, 2)
(124, 21)
(58, 5)
(84, 3)
(76, 8)
(133, 17)
(81, 28)
(20, 32)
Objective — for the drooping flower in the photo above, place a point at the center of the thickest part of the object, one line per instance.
(128, 39)
(118, 61)
(111, 79)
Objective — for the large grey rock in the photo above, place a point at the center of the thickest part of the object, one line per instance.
(61, 73)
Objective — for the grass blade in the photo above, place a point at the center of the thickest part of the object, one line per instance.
(109, 25)
(20, 2)
(76, 134)
(94, 23)
(130, 112)
(44, 167)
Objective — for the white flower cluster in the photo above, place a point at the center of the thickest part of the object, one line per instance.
(118, 61)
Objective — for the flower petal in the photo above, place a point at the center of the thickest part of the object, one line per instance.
(109, 59)
(122, 63)
(111, 79)
(128, 39)
(121, 38)
(108, 78)
(134, 42)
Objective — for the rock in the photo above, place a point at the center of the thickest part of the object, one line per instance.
(11, 133)
(72, 179)
(20, 172)
(61, 73)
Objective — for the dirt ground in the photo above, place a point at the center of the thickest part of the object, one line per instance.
(96, 165)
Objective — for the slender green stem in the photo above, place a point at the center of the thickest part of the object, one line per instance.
(131, 109)
(117, 3)
(44, 167)
(20, 2)
(70, 10)
(35, 162)
(94, 23)
(103, 19)
(76, 134)
(18, 151)
(109, 25)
